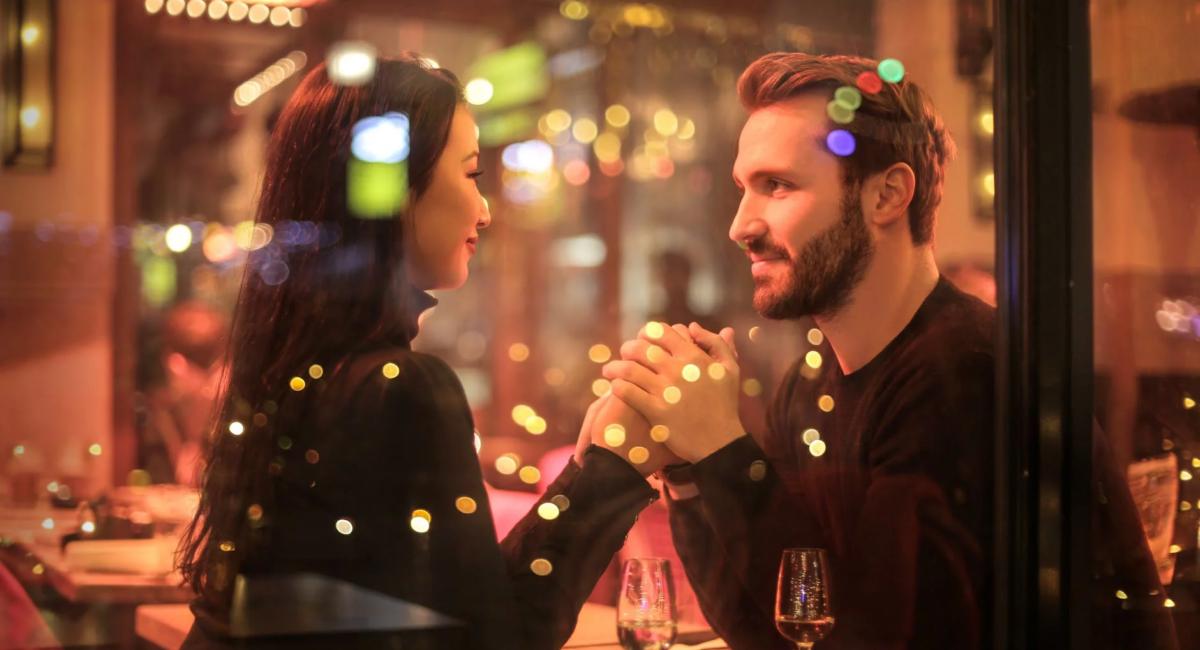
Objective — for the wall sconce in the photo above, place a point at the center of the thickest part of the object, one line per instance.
(27, 83)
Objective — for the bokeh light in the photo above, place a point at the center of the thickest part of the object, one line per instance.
(478, 91)
(521, 414)
(599, 353)
(660, 433)
(617, 115)
(548, 511)
(179, 238)
(891, 70)
(841, 142)
(838, 112)
(518, 352)
(614, 435)
(529, 475)
(351, 63)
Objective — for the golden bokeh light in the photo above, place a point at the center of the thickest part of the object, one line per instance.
(420, 521)
(716, 371)
(316, 371)
(754, 333)
(608, 148)
(465, 505)
(529, 475)
(654, 354)
(391, 370)
(752, 387)
(691, 373)
(521, 414)
(561, 501)
(536, 425)
(599, 353)
(825, 403)
(555, 376)
(660, 433)
(816, 336)
(236, 428)
(541, 567)
(344, 526)
(548, 511)
(614, 435)
(507, 464)
(655, 330)
(558, 120)
(817, 448)
(639, 455)
(585, 130)
(297, 384)
(672, 394)
(666, 122)
(810, 436)
(573, 9)
(518, 352)
(813, 359)
(617, 115)
(601, 387)
(758, 470)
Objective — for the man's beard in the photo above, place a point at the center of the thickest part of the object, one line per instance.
(829, 267)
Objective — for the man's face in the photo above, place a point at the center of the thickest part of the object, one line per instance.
(806, 238)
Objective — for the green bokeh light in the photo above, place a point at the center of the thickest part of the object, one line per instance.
(891, 70)
(839, 113)
(376, 190)
(849, 97)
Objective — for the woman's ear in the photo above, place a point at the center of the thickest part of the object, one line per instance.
(887, 195)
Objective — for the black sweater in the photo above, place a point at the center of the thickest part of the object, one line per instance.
(372, 450)
(901, 496)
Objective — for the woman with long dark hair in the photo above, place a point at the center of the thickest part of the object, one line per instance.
(337, 450)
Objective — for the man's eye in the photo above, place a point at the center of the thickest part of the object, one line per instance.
(773, 184)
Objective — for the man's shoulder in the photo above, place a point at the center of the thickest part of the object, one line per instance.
(956, 326)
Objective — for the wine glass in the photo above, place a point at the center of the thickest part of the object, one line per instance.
(646, 605)
(802, 603)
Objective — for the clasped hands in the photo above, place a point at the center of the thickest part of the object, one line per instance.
(674, 398)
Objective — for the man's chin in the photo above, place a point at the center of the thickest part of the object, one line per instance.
(770, 304)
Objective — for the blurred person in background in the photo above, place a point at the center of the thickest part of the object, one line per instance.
(340, 451)
(178, 411)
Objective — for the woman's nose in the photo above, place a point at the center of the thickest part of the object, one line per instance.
(485, 214)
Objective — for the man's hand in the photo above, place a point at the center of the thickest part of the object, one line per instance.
(612, 424)
(684, 381)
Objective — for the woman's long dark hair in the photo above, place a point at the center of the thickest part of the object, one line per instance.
(328, 283)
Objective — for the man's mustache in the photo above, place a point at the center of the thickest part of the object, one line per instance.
(764, 247)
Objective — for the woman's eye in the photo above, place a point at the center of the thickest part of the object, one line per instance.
(475, 174)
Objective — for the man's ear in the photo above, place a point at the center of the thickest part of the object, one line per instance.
(887, 195)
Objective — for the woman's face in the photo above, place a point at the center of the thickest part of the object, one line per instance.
(445, 220)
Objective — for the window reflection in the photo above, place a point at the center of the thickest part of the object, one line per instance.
(1146, 149)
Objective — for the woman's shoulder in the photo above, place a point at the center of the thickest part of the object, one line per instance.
(397, 373)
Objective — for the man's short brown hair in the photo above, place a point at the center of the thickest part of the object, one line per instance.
(897, 124)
